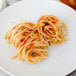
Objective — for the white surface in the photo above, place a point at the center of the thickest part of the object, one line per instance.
(62, 58)
(3, 5)
(3, 72)
(9, 2)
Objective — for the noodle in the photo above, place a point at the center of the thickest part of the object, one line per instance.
(51, 29)
(31, 41)
(26, 42)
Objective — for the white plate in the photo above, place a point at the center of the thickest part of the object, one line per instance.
(62, 58)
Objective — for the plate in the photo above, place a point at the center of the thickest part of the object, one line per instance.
(62, 58)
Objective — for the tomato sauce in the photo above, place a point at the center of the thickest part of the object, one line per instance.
(71, 3)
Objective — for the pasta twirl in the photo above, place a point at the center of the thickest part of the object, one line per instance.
(51, 29)
(31, 41)
(27, 43)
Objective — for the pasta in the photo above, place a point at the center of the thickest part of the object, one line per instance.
(51, 29)
(31, 41)
(28, 45)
